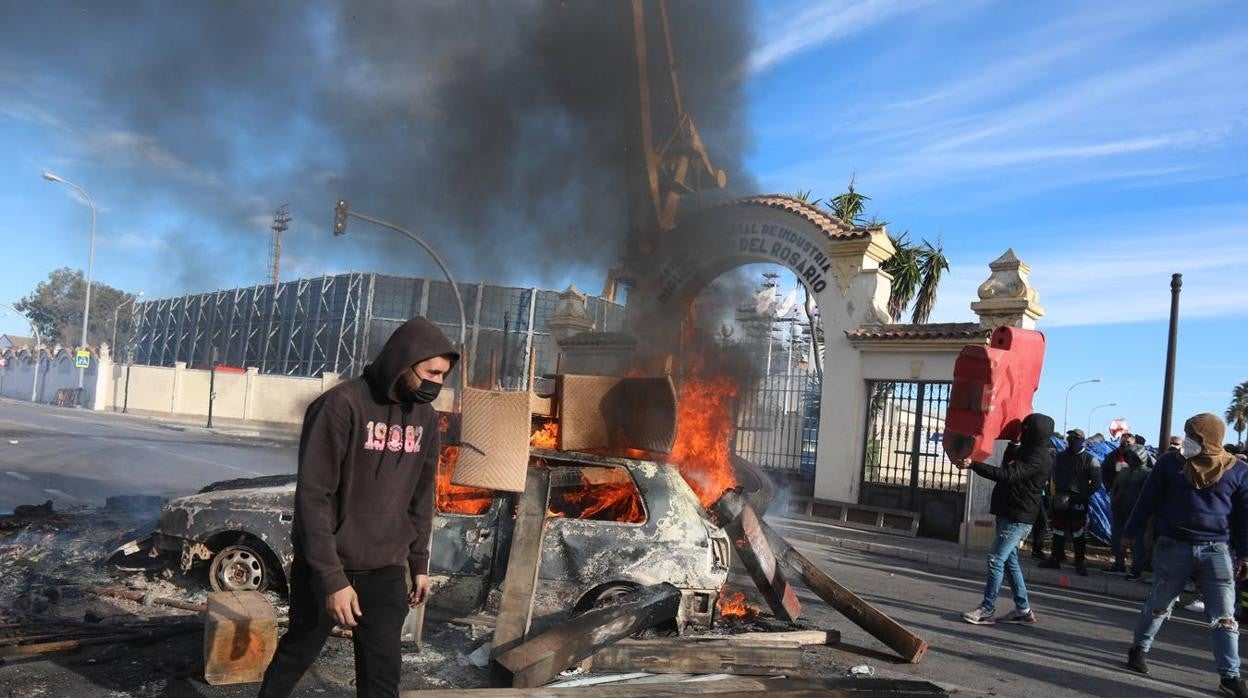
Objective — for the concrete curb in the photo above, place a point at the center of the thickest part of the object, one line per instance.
(1095, 583)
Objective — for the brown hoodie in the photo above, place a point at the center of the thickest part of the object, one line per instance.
(1207, 468)
(367, 465)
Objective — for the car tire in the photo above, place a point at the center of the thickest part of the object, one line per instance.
(239, 567)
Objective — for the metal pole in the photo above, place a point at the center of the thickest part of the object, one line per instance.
(1094, 409)
(1066, 411)
(86, 305)
(1172, 346)
(212, 385)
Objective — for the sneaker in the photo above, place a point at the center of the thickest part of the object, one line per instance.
(1136, 661)
(1233, 686)
(1195, 606)
(1081, 570)
(979, 616)
(1050, 564)
(1020, 617)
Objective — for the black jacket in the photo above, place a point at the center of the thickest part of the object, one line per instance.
(1021, 479)
(1076, 476)
(368, 461)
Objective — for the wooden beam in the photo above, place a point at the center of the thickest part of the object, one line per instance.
(896, 636)
(801, 637)
(700, 656)
(540, 659)
(744, 527)
(515, 610)
(772, 688)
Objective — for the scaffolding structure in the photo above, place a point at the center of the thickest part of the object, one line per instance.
(337, 324)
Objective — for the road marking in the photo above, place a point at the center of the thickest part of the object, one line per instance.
(201, 460)
(58, 493)
(19, 476)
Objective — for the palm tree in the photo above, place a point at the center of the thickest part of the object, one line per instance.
(916, 268)
(1237, 412)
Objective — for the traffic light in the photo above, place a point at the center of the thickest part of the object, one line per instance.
(340, 217)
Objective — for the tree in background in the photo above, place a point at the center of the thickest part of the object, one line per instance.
(1237, 411)
(916, 268)
(55, 307)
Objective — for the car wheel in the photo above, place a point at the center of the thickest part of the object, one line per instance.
(238, 568)
(602, 596)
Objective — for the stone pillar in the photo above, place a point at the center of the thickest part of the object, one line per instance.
(101, 394)
(1007, 298)
(328, 380)
(571, 315)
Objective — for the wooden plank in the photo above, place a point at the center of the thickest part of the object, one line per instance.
(515, 610)
(801, 637)
(745, 529)
(540, 659)
(700, 656)
(240, 637)
(773, 688)
(896, 636)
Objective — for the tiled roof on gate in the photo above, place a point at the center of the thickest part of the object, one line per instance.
(828, 223)
(942, 330)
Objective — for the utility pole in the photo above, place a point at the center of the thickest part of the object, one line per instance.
(1172, 348)
(281, 223)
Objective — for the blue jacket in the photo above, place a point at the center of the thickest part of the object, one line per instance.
(1184, 513)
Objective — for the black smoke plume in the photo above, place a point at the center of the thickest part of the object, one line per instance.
(499, 130)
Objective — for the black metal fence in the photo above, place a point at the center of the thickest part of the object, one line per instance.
(904, 463)
(778, 422)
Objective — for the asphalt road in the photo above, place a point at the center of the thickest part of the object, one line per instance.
(1078, 648)
(78, 457)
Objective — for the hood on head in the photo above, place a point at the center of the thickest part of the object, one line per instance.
(413, 342)
(1136, 455)
(1207, 468)
(1037, 430)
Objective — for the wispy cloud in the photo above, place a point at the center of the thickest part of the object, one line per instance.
(824, 23)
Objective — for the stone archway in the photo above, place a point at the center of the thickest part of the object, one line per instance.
(839, 264)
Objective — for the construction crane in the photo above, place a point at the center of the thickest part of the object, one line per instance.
(680, 166)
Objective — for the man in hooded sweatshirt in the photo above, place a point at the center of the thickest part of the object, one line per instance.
(1199, 501)
(1015, 502)
(364, 510)
(1127, 488)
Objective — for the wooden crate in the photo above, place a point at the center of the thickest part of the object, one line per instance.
(240, 636)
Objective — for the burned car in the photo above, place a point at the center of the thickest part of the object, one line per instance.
(613, 524)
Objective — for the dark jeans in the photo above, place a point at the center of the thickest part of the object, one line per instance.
(1070, 523)
(383, 601)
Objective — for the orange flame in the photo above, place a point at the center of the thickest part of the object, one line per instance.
(604, 494)
(732, 606)
(547, 437)
(458, 499)
(704, 431)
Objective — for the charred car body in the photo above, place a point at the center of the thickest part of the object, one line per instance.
(614, 524)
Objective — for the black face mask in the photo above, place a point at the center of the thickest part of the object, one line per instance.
(1075, 445)
(426, 393)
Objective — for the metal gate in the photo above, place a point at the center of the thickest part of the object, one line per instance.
(904, 463)
(778, 422)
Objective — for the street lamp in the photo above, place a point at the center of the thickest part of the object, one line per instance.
(1066, 412)
(1094, 409)
(86, 305)
(342, 212)
(117, 313)
(34, 384)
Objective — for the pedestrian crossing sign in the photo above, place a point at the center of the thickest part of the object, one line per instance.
(82, 359)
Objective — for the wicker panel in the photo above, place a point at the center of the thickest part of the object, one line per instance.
(608, 412)
(495, 440)
(582, 426)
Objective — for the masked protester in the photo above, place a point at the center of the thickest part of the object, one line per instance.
(1015, 502)
(1076, 476)
(1127, 487)
(1199, 498)
(363, 511)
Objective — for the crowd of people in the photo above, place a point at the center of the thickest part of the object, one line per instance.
(1181, 514)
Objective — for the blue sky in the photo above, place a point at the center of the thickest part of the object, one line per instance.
(1103, 141)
